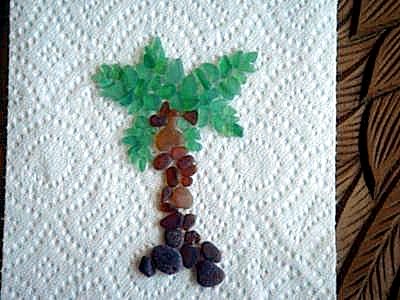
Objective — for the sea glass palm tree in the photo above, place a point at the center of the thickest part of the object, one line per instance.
(168, 108)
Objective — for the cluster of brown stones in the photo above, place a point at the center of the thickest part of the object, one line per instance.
(183, 247)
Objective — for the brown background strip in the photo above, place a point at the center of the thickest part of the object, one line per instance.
(368, 149)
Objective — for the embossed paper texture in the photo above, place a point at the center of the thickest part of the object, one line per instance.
(78, 215)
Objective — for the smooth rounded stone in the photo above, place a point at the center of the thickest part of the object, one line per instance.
(146, 266)
(178, 152)
(191, 117)
(190, 255)
(171, 175)
(173, 238)
(167, 138)
(209, 274)
(172, 221)
(161, 161)
(166, 259)
(181, 198)
(185, 162)
(166, 193)
(189, 171)
(188, 221)
(191, 237)
(157, 121)
(210, 252)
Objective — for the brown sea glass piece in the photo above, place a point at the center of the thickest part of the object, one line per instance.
(185, 162)
(164, 110)
(187, 172)
(186, 181)
(171, 175)
(181, 198)
(178, 152)
(166, 207)
(168, 137)
(191, 117)
(162, 161)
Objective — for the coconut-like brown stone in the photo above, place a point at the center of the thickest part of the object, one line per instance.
(169, 137)
(181, 198)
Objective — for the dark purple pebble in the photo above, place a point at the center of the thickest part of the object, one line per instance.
(146, 266)
(166, 259)
(209, 274)
(188, 221)
(192, 237)
(172, 221)
(174, 238)
(190, 255)
(210, 252)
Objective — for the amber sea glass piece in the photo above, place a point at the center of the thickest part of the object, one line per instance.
(168, 137)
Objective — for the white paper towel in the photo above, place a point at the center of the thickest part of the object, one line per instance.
(78, 214)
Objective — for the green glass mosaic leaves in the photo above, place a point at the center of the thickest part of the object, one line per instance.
(208, 90)
(139, 139)
(191, 135)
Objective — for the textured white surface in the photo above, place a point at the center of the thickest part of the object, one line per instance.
(77, 213)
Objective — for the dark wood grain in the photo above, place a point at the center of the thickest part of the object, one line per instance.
(368, 150)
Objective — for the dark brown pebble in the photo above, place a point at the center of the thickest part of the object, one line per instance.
(209, 274)
(192, 237)
(178, 152)
(166, 259)
(185, 162)
(166, 193)
(188, 221)
(161, 161)
(146, 266)
(172, 176)
(191, 117)
(172, 221)
(210, 252)
(164, 110)
(186, 181)
(157, 121)
(173, 238)
(190, 255)
(189, 171)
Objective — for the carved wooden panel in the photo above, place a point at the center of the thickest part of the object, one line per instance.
(368, 150)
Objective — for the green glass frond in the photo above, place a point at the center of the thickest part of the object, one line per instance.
(208, 89)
